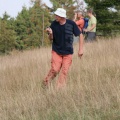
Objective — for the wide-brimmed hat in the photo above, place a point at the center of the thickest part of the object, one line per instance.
(60, 12)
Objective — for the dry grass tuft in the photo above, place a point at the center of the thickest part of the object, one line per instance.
(92, 92)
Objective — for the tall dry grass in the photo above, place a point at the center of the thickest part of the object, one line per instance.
(92, 92)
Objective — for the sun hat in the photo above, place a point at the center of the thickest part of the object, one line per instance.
(60, 12)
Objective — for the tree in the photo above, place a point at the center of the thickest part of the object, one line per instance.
(22, 25)
(7, 35)
(40, 17)
(30, 24)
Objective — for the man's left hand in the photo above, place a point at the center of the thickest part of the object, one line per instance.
(80, 53)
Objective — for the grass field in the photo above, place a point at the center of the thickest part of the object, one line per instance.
(92, 92)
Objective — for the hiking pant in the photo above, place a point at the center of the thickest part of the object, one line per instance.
(91, 36)
(59, 62)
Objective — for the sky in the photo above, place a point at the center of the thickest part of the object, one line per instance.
(12, 7)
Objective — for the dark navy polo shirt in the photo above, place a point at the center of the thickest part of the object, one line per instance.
(63, 36)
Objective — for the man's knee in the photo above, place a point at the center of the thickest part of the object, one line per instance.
(55, 71)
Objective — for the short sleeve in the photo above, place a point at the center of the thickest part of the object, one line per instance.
(94, 20)
(80, 22)
(51, 26)
(76, 30)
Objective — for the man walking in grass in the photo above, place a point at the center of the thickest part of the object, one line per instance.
(61, 33)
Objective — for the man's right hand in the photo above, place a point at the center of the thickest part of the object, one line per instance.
(49, 30)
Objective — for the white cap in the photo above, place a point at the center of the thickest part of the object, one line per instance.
(60, 12)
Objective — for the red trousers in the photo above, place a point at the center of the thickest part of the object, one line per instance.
(59, 62)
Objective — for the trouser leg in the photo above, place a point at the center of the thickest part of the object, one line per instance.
(91, 36)
(56, 63)
(66, 63)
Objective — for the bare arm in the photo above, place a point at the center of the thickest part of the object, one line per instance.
(93, 26)
(90, 29)
(81, 42)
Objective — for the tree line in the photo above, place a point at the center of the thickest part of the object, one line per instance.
(27, 30)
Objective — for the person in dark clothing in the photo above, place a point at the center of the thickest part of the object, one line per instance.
(61, 33)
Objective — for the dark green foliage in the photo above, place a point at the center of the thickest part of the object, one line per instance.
(7, 34)
(107, 13)
(27, 30)
(29, 26)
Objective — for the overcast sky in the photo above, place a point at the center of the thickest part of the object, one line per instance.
(12, 7)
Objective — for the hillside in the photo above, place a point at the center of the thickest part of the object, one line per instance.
(92, 92)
